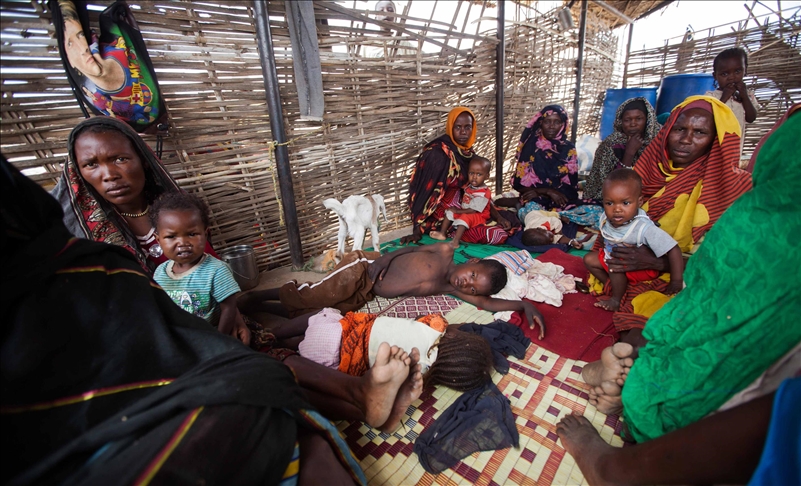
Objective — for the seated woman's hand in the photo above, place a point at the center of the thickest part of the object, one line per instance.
(557, 197)
(529, 194)
(627, 259)
(416, 236)
(503, 223)
(634, 144)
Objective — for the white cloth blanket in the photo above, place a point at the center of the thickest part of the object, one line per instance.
(541, 282)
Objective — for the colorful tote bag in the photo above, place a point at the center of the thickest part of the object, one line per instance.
(110, 74)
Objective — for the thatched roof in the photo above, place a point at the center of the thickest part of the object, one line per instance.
(633, 9)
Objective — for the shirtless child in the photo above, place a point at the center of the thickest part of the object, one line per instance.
(412, 271)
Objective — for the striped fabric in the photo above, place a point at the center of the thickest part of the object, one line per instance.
(200, 290)
(516, 261)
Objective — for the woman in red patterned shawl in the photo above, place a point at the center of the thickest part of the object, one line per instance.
(690, 177)
(109, 181)
(438, 178)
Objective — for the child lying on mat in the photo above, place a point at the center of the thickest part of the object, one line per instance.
(446, 356)
(625, 224)
(413, 271)
(545, 228)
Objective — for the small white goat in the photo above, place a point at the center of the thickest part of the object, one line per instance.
(356, 214)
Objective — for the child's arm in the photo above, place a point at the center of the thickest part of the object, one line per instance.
(231, 322)
(500, 305)
(577, 244)
(748, 105)
(676, 260)
(379, 267)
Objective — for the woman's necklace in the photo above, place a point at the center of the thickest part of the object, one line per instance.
(469, 152)
(136, 215)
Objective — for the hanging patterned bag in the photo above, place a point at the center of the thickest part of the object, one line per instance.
(111, 74)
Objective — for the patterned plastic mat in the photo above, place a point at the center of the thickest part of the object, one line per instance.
(542, 388)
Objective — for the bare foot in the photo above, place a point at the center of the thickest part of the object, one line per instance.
(409, 391)
(454, 243)
(585, 444)
(613, 366)
(608, 404)
(610, 304)
(437, 235)
(382, 381)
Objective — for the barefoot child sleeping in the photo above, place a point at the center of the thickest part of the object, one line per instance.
(623, 223)
(412, 271)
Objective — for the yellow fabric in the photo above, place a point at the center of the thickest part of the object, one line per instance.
(686, 214)
(453, 115)
(647, 303)
(725, 120)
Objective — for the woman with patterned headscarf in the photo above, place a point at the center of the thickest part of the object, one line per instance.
(438, 177)
(635, 127)
(547, 167)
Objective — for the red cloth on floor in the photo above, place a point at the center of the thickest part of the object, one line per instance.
(578, 329)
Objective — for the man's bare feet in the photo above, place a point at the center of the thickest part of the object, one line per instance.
(438, 235)
(614, 365)
(585, 444)
(610, 304)
(382, 382)
(409, 391)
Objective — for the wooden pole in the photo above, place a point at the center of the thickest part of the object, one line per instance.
(579, 69)
(500, 67)
(267, 57)
(628, 54)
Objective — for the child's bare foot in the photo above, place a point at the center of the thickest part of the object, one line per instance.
(438, 235)
(584, 443)
(613, 366)
(382, 382)
(454, 243)
(610, 304)
(409, 391)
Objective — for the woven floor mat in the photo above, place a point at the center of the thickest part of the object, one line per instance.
(543, 387)
(411, 307)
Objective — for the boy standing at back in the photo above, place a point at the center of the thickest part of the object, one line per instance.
(412, 271)
(623, 223)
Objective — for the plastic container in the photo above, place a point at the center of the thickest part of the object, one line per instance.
(242, 260)
(614, 98)
(675, 88)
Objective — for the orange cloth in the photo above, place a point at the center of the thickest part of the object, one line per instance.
(356, 327)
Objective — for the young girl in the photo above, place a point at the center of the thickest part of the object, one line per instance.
(728, 68)
(476, 200)
(196, 281)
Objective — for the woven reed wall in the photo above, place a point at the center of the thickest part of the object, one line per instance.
(774, 65)
(380, 111)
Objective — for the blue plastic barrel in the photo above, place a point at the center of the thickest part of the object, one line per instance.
(675, 88)
(614, 98)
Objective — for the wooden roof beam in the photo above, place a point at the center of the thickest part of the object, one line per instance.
(615, 11)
